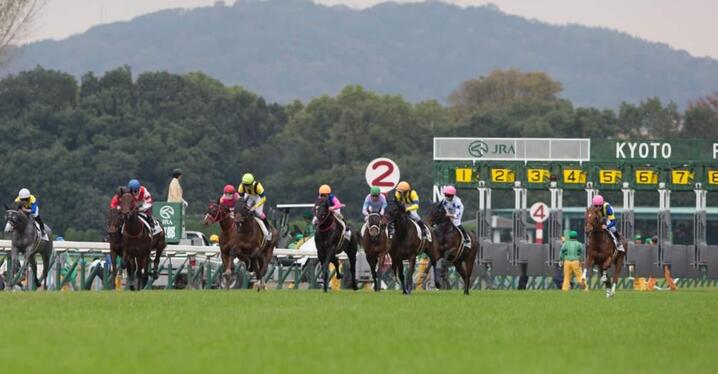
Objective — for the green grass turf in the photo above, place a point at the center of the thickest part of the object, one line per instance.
(343, 331)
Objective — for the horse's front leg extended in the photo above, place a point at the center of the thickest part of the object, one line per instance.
(410, 275)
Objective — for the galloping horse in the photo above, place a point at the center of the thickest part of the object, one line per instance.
(450, 244)
(137, 244)
(114, 236)
(250, 244)
(375, 243)
(217, 213)
(330, 241)
(601, 251)
(26, 240)
(406, 244)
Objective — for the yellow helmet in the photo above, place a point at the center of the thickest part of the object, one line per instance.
(214, 238)
(403, 186)
(325, 189)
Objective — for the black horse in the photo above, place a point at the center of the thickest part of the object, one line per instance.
(330, 241)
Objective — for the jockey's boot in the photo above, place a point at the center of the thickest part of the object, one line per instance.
(464, 235)
(269, 228)
(42, 225)
(616, 241)
(422, 225)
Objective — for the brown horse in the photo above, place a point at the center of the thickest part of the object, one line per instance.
(250, 244)
(217, 213)
(601, 251)
(450, 244)
(330, 241)
(406, 244)
(114, 237)
(375, 243)
(137, 244)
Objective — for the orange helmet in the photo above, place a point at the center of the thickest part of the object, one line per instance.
(325, 189)
(403, 186)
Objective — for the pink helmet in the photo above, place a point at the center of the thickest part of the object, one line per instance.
(598, 200)
(450, 190)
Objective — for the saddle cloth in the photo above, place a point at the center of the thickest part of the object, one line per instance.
(418, 232)
(40, 234)
(158, 228)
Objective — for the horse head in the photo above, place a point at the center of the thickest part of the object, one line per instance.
(127, 204)
(15, 220)
(321, 210)
(114, 221)
(394, 211)
(593, 220)
(215, 213)
(437, 214)
(374, 223)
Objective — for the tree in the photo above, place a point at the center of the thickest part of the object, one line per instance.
(500, 88)
(701, 118)
(15, 19)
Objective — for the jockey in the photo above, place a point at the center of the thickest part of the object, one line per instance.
(229, 198)
(609, 220)
(143, 200)
(374, 202)
(454, 210)
(115, 202)
(253, 191)
(571, 252)
(405, 194)
(28, 203)
(335, 206)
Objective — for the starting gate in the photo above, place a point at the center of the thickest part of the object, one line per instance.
(585, 165)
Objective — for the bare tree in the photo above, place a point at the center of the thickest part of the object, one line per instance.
(15, 19)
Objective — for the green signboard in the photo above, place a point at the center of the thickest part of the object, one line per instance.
(608, 164)
(171, 216)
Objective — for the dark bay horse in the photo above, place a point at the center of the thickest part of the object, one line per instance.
(114, 237)
(406, 244)
(375, 243)
(601, 251)
(330, 241)
(217, 213)
(26, 240)
(137, 244)
(450, 244)
(249, 243)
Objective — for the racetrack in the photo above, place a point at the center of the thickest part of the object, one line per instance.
(307, 331)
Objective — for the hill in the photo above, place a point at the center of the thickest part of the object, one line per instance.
(289, 49)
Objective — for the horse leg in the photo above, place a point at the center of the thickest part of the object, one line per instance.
(617, 266)
(604, 271)
(324, 261)
(468, 267)
(335, 261)
(227, 264)
(352, 254)
(410, 275)
(587, 267)
(45, 267)
(398, 266)
(258, 273)
(372, 260)
(156, 263)
(33, 265)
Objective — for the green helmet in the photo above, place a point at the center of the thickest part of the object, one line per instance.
(573, 234)
(247, 179)
(374, 191)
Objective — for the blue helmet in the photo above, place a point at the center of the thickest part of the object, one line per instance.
(134, 185)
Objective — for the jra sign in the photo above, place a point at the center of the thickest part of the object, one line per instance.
(171, 217)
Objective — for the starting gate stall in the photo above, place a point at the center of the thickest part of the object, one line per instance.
(589, 166)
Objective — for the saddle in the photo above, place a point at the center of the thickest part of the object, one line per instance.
(266, 235)
(419, 234)
(42, 235)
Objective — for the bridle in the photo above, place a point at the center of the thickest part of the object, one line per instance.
(374, 229)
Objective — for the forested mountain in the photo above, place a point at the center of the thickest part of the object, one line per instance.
(291, 49)
(73, 142)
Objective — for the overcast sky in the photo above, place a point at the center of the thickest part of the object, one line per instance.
(684, 24)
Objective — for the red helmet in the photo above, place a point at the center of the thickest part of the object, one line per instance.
(229, 189)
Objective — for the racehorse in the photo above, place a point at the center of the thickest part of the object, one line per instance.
(250, 244)
(114, 237)
(450, 244)
(217, 213)
(601, 251)
(26, 240)
(137, 244)
(330, 241)
(375, 242)
(406, 244)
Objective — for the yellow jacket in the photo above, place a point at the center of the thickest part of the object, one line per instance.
(410, 199)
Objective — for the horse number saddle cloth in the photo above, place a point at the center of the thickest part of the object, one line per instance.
(158, 227)
(426, 237)
(266, 234)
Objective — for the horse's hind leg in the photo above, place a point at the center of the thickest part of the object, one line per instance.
(335, 261)
(33, 265)
(410, 275)
(352, 254)
(372, 260)
(398, 266)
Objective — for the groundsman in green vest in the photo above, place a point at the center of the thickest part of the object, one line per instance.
(571, 252)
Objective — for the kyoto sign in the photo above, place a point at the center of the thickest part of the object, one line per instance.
(669, 150)
(171, 218)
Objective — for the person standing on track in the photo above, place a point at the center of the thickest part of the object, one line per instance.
(571, 252)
